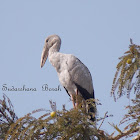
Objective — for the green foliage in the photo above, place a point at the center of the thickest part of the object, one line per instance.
(76, 124)
(127, 77)
(128, 70)
(7, 116)
(72, 124)
(133, 117)
(131, 120)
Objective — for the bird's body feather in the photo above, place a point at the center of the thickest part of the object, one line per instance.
(72, 74)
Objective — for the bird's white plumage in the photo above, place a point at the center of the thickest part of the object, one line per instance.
(72, 73)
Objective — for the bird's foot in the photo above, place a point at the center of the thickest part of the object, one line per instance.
(77, 100)
(72, 98)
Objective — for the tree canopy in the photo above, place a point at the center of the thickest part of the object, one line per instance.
(75, 123)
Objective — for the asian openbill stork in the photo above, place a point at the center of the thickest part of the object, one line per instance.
(73, 74)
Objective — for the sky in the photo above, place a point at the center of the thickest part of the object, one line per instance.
(97, 32)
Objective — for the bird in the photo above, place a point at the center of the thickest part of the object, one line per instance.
(73, 75)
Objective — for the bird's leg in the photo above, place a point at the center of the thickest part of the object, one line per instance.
(77, 98)
(72, 98)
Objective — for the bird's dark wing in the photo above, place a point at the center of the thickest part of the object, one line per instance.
(85, 94)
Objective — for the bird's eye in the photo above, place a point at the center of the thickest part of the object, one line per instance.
(47, 40)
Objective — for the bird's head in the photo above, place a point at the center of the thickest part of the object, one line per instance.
(52, 43)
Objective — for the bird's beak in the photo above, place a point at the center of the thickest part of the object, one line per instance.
(44, 55)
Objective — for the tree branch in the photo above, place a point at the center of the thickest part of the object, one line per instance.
(126, 133)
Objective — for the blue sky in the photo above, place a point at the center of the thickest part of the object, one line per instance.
(97, 32)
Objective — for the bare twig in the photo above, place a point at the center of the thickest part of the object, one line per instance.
(103, 120)
(126, 133)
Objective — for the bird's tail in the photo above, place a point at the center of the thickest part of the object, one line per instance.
(92, 115)
(91, 109)
(90, 101)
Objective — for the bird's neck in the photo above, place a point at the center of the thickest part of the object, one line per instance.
(53, 51)
(54, 56)
(55, 48)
